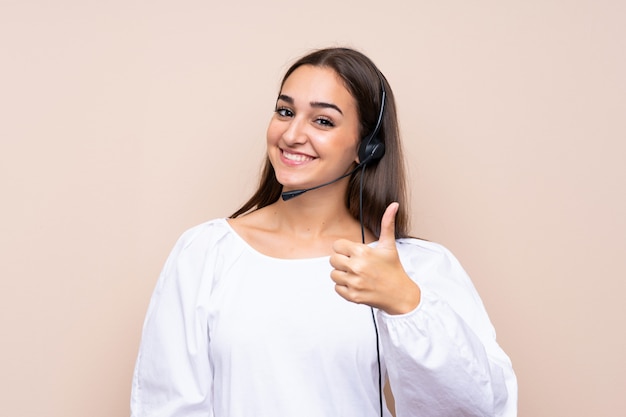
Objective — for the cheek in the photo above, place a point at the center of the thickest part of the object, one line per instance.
(273, 132)
(351, 146)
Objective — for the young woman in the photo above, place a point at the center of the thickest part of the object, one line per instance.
(304, 305)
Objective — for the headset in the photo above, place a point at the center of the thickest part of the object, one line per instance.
(371, 149)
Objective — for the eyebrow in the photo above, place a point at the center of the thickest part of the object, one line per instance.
(319, 104)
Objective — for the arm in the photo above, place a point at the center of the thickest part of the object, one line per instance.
(173, 375)
(439, 345)
(442, 357)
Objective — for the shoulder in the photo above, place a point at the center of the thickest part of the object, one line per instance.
(426, 260)
(260, 230)
(209, 230)
(440, 275)
(203, 238)
(198, 251)
(422, 249)
(260, 219)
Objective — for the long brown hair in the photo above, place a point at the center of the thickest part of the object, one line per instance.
(384, 180)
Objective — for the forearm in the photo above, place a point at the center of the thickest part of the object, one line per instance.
(438, 366)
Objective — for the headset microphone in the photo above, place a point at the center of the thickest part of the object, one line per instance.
(288, 195)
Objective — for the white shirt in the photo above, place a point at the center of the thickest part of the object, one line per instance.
(231, 332)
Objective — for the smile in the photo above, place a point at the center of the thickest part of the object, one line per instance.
(296, 157)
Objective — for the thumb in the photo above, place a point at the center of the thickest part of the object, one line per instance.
(387, 237)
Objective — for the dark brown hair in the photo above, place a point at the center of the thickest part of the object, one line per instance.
(384, 180)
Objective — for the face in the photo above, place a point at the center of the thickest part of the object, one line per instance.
(313, 135)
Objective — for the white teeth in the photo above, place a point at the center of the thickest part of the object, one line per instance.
(296, 157)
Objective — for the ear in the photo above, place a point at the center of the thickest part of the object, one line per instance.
(359, 145)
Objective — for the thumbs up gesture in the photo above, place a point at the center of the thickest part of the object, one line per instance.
(374, 276)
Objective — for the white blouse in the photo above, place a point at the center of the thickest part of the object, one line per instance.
(231, 332)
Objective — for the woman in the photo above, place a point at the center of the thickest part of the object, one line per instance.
(293, 306)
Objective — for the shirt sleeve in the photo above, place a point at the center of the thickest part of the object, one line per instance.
(442, 358)
(173, 373)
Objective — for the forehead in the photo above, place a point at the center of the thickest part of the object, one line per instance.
(313, 83)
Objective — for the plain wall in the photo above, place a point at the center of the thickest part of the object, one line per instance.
(122, 123)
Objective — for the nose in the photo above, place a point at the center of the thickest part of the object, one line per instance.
(295, 133)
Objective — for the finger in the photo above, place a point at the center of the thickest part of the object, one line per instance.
(346, 247)
(339, 261)
(388, 227)
(339, 277)
(343, 291)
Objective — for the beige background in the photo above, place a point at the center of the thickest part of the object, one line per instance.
(122, 123)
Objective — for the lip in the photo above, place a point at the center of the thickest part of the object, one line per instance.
(295, 158)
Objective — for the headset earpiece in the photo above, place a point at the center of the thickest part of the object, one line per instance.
(371, 149)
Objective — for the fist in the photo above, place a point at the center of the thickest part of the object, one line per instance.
(374, 276)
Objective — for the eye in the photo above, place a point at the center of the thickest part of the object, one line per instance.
(283, 112)
(324, 121)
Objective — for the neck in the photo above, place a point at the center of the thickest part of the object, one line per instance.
(315, 213)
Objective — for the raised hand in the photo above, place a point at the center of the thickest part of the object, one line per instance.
(374, 276)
